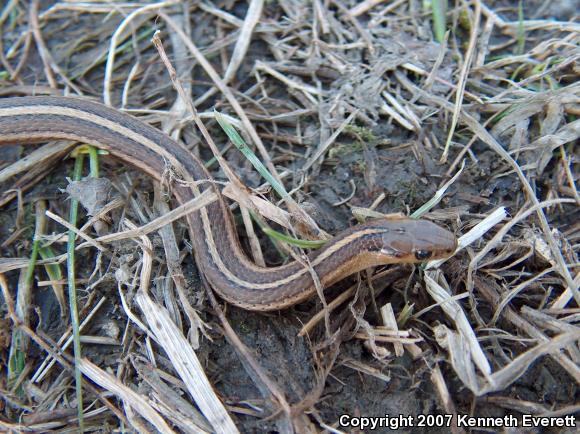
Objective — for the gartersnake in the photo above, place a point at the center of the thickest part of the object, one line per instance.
(217, 248)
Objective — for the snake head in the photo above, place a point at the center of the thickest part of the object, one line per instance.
(408, 240)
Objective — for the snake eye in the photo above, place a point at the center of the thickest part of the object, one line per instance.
(421, 255)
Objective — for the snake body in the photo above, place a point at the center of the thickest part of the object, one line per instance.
(218, 253)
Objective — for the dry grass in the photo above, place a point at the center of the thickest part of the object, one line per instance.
(490, 112)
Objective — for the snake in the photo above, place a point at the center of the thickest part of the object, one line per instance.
(217, 249)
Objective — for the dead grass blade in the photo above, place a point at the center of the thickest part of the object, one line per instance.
(186, 363)
(129, 396)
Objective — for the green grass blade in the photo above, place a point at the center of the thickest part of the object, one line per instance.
(305, 244)
(17, 353)
(438, 10)
(249, 154)
(72, 292)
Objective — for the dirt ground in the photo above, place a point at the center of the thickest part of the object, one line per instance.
(362, 109)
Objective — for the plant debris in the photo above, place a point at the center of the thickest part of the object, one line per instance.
(354, 110)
